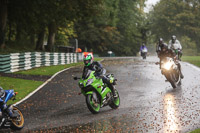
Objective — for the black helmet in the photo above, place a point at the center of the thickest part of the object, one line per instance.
(143, 44)
(160, 41)
(164, 47)
(2, 92)
(173, 38)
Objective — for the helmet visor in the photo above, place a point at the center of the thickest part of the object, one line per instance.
(87, 62)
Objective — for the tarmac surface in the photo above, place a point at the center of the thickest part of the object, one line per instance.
(148, 103)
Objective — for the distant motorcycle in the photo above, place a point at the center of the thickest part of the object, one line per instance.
(14, 123)
(144, 53)
(171, 71)
(97, 93)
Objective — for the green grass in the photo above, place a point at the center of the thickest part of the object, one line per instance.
(47, 70)
(23, 87)
(192, 59)
(50, 70)
(196, 131)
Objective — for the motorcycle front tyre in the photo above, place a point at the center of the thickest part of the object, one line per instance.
(93, 107)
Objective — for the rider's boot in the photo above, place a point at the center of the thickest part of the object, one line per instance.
(113, 90)
(110, 85)
(181, 74)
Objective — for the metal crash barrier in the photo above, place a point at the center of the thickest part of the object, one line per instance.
(23, 61)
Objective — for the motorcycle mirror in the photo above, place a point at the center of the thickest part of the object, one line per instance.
(75, 78)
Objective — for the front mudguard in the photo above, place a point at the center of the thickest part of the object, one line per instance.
(89, 92)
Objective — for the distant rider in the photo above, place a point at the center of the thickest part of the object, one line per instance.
(175, 45)
(98, 68)
(158, 46)
(3, 106)
(143, 48)
(166, 52)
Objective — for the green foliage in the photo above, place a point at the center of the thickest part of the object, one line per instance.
(63, 34)
(130, 26)
(100, 25)
(189, 46)
(187, 43)
(181, 18)
(118, 27)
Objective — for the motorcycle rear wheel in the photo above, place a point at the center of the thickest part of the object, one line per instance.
(17, 123)
(93, 106)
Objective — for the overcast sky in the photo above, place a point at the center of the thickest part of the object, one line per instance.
(149, 4)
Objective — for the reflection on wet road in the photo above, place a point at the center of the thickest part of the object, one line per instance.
(148, 103)
(171, 122)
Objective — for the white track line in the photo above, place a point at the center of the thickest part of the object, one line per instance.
(30, 94)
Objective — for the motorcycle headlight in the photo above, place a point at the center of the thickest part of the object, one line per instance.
(167, 65)
(90, 81)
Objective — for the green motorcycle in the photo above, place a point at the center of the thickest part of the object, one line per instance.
(97, 93)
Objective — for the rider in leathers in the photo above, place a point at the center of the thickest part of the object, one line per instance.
(166, 52)
(142, 48)
(175, 45)
(159, 48)
(3, 106)
(98, 68)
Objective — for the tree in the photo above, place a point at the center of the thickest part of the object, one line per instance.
(129, 26)
(3, 20)
(181, 18)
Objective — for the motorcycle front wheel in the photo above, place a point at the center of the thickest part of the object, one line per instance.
(17, 123)
(115, 101)
(174, 79)
(93, 106)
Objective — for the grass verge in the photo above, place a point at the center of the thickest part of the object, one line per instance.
(196, 131)
(47, 70)
(23, 87)
(192, 59)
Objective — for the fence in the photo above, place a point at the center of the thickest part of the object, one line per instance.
(24, 61)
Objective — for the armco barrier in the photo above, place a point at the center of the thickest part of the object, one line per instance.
(24, 61)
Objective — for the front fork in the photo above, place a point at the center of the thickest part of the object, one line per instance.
(94, 96)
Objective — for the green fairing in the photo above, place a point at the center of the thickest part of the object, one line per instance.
(96, 83)
(97, 93)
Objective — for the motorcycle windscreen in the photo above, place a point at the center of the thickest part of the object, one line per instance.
(86, 73)
(144, 50)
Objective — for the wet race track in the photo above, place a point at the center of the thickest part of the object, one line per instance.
(148, 103)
